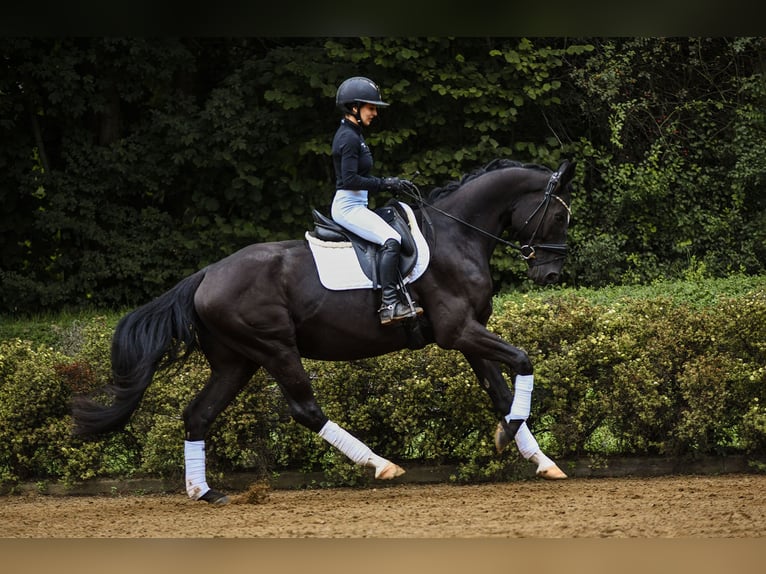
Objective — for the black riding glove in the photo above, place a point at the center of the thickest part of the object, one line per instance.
(391, 184)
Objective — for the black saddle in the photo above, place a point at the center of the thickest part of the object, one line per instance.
(392, 213)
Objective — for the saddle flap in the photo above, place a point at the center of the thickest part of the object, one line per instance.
(393, 214)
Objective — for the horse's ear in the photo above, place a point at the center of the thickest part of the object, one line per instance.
(566, 170)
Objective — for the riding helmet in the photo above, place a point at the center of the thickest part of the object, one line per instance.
(358, 90)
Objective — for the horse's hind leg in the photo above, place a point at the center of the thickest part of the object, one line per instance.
(229, 374)
(492, 380)
(288, 371)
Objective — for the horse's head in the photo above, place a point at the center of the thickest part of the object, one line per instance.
(540, 220)
(530, 200)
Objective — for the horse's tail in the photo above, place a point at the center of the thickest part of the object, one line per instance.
(146, 340)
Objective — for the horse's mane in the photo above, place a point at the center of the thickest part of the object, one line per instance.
(497, 163)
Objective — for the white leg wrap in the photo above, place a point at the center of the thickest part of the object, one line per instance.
(530, 450)
(542, 461)
(522, 398)
(194, 456)
(526, 442)
(351, 446)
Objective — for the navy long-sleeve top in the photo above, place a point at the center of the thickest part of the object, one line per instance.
(352, 159)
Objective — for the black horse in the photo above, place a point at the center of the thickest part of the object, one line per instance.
(264, 306)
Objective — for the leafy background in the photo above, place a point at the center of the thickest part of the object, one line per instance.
(128, 163)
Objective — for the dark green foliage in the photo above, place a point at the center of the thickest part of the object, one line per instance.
(128, 163)
(673, 369)
(673, 176)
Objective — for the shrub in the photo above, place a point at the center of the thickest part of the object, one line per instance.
(667, 369)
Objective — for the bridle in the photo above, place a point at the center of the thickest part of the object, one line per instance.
(528, 251)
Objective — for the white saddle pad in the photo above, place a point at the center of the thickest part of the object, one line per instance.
(339, 268)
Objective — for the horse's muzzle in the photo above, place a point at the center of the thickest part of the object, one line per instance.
(551, 278)
(546, 273)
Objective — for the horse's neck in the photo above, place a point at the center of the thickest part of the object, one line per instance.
(472, 226)
(480, 203)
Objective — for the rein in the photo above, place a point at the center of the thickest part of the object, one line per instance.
(527, 251)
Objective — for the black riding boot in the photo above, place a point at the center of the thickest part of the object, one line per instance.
(391, 308)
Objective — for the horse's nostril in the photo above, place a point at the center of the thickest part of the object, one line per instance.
(551, 278)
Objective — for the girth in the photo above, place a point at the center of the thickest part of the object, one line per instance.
(328, 229)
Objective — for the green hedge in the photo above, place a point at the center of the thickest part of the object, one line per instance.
(676, 369)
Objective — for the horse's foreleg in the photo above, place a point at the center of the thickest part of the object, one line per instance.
(483, 349)
(530, 450)
(513, 408)
(304, 408)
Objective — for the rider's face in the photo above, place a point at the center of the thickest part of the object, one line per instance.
(368, 112)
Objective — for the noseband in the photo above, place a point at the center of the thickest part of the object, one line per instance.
(528, 252)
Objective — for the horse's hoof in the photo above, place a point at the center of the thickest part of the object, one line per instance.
(214, 497)
(390, 471)
(502, 439)
(552, 473)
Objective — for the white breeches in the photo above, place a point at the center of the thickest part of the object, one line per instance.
(349, 209)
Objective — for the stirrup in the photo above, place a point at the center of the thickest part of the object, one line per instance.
(415, 308)
(409, 301)
(396, 312)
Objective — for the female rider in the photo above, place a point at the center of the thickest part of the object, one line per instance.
(358, 99)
